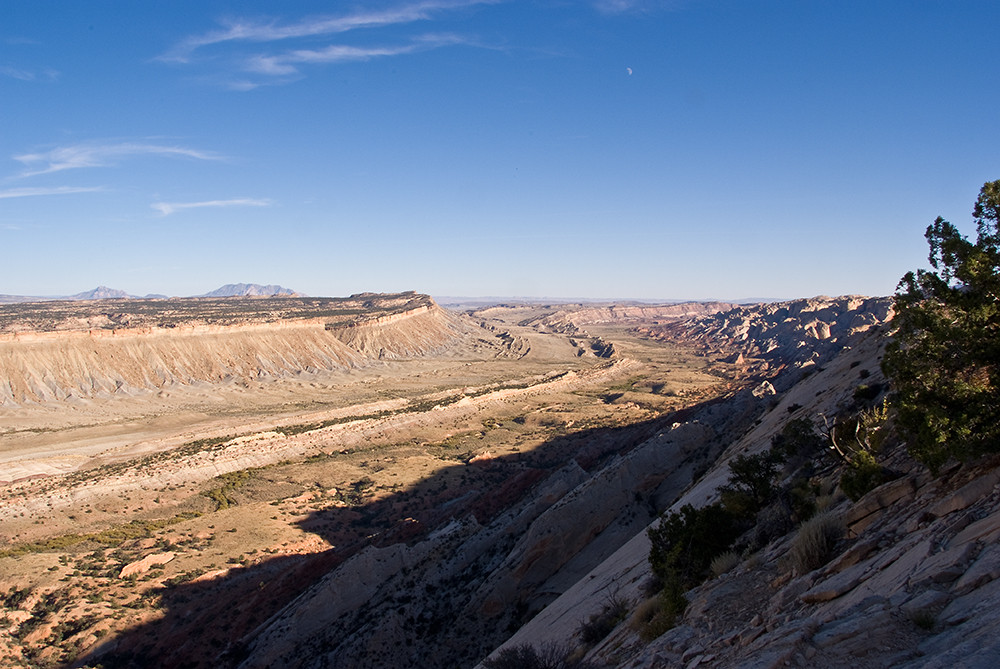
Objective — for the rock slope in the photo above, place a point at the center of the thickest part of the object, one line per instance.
(444, 600)
(913, 583)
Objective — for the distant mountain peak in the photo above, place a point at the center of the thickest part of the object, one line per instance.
(100, 293)
(251, 290)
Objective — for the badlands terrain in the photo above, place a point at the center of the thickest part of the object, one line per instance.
(375, 481)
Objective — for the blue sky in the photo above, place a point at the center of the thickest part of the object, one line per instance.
(606, 149)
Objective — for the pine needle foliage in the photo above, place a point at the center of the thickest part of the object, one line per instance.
(944, 360)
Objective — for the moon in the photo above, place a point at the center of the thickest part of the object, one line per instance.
(629, 70)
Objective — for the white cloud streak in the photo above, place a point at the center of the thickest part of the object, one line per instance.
(101, 155)
(271, 31)
(23, 74)
(37, 192)
(167, 208)
(284, 64)
(248, 67)
(635, 6)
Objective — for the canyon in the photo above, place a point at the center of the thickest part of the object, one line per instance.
(377, 481)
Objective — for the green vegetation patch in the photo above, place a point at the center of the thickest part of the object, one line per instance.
(227, 484)
(114, 536)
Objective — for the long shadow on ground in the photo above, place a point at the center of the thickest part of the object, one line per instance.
(211, 623)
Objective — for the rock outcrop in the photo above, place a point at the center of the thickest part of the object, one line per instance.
(569, 319)
(800, 332)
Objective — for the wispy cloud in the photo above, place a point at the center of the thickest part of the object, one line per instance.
(284, 64)
(101, 155)
(250, 69)
(44, 74)
(246, 30)
(167, 208)
(57, 190)
(624, 6)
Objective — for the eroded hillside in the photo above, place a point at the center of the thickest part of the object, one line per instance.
(74, 351)
(441, 502)
(111, 515)
(905, 575)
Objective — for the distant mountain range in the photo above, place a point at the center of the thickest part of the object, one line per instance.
(105, 293)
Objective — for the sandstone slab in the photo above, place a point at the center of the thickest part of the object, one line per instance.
(967, 495)
(145, 564)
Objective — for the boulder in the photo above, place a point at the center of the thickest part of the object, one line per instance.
(861, 514)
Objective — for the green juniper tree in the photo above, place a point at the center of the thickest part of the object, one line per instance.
(944, 361)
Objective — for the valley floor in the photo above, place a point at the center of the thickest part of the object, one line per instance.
(171, 524)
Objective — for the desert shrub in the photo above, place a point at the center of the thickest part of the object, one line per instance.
(944, 359)
(825, 502)
(658, 614)
(924, 619)
(802, 494)
(526, 656)
(599, 625)
(862, 475)
(771, 522)
(856, 440)
(751, 483)
(797, 437)
(227, 484)
(644, 612)
(724, 562)
(683, 544)
(15, 597)
(815, 542)
(681, 551)
(865, 393)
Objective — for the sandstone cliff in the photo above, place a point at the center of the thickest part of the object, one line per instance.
(95, 357)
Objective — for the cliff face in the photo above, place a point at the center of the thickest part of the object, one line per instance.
(101, 362)
(416, 331)
(784, 333)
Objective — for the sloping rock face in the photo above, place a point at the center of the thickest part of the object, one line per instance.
(417, 331)
(449, 598)
(102, 364)
(625, 573)
(913, 589)
(914, 582)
